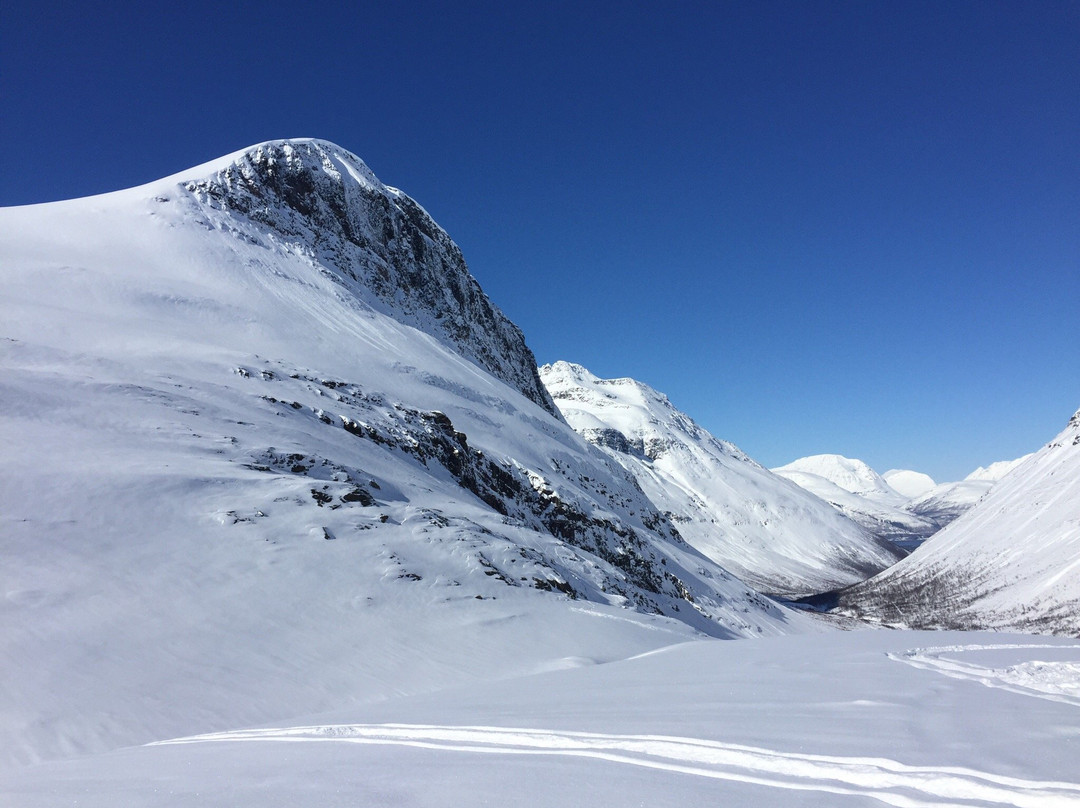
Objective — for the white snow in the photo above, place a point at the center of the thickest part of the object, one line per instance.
(240, 569)
(1011, 561)
(759, 526)
(862, 495)
(847, 473)
(909, 483)
(995, 471)
(842, 719)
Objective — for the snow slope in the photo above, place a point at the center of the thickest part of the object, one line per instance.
(269, 450)
(851, 475)
(945, 503)
(767, 531)
(1012, 561)
(861, 494)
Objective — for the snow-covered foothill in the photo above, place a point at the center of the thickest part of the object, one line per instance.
(995, 471)
(759, 526)
(945, 503)
(847, 473)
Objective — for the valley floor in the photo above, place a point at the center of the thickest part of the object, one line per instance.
(838, 719)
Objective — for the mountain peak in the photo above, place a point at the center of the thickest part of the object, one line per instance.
(848, 473)
(770, 533)
(325, 203)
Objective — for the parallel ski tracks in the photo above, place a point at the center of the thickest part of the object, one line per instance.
(887, 781)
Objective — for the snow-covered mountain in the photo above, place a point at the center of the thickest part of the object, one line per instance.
(945, 503)
(861, 494)
(759, 526)
(1012, 561)
(995, 471)
(909, 483)
(268, 446)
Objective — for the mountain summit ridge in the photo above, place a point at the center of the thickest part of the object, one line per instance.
(378, 242)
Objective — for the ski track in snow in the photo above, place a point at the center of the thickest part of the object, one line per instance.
(885, 780)
(1052, 680)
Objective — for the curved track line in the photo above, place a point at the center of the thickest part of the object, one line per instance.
(885, 780)
(930, 659)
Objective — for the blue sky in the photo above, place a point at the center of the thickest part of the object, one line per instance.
(818, 227)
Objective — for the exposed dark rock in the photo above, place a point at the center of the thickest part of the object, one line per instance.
(378, 243)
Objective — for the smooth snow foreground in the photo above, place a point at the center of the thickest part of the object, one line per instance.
(843, 719)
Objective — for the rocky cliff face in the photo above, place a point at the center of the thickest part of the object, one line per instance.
(378, 243)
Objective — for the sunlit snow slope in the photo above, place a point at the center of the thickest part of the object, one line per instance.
(268, 447)
(861, 494)
(766, 530)
(1012, 561)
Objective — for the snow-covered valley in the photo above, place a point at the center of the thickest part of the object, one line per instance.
(273, 460)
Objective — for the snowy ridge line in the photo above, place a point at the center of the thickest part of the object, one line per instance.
(882, 779)
(1053, 681)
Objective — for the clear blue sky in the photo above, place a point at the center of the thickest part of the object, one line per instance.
(819, 227)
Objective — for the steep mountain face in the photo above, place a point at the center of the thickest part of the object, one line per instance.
(379, 244)
(767, 531)
(1012, 561)
(861, 494)
(268, 447)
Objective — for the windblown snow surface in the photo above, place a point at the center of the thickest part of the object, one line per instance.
(1012, 561)
(287, 520)
(769, 532)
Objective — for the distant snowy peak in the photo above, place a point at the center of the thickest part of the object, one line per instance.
(618, 410)
(769, 532)
(995, 471)
(858, 492)
(376, 241)
(909, 483)
(847, 473)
